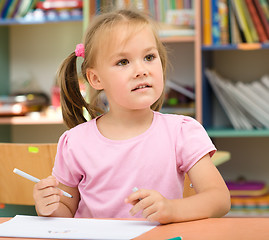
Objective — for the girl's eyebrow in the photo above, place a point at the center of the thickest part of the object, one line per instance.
(124, 54)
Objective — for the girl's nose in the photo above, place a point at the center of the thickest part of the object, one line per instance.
(141, 74)
(141, 71)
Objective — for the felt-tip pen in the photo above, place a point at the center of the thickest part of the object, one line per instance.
(36, 180)
(134, 190)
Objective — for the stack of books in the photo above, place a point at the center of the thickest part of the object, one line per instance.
(246, 104)
(34, 10)
(248, 198)
(235, 21)
(176, 16)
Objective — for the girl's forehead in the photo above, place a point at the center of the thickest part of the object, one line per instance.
(118, 36)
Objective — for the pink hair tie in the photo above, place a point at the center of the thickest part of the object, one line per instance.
(80, 51)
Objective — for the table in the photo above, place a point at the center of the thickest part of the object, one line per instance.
(207, 229)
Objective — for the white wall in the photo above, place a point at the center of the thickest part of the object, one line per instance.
(36, 51)
(181, 59)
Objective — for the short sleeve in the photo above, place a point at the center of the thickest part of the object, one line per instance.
(193, 143)
(65, 167)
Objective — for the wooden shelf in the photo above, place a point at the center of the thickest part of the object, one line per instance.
(23, 21)
(28, 120)
(178, 39)
(241, 46)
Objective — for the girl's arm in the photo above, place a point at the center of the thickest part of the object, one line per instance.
(212, 198)
(49, 200)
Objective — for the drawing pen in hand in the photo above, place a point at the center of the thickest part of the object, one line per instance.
(134, 190)
(36, 180)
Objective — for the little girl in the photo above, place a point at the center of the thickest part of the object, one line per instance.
(131, 144)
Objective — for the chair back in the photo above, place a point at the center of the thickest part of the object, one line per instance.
(34, 159)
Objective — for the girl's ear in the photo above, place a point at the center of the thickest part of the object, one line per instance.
(93, 79)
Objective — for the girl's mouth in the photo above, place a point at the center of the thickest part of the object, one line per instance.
(141, 86)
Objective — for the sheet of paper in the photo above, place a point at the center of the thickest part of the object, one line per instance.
(73, 228)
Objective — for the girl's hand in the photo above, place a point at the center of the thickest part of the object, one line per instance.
(153, 205)
(47, 196)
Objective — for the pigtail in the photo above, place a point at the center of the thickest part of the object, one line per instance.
(72, 102)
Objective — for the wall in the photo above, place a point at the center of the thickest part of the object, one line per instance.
(36, 51)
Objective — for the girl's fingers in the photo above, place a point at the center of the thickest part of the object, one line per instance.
(141, 205)
(147, 212)
(49, 191)
(48, 209)
(135, 197)
(47, 182)
(47, 205)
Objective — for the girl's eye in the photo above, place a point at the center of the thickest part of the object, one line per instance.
(123, 62)
(149, 57)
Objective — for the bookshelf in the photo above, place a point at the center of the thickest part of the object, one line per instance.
(236, 61)
(7, 22)
(28, 45)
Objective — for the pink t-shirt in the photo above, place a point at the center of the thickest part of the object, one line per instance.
(105, 171)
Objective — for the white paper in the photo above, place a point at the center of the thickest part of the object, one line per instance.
(73, 228)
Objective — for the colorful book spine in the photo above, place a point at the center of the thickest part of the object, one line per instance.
(262, 17)
(242, 23)
(215, 22)
(237, 35)
(6, 6)
(207, 27)
(224, 21)
(265, 7)
(250, 24)
(256, 21)
(179, 4)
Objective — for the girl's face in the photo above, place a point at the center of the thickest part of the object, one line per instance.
(129, 69)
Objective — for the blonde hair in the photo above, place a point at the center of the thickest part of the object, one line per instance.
(72, 102)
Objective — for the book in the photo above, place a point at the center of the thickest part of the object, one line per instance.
(207, 27)
(12, 8)
(265, 7)
(5, 8)
(59, 4)
(215, 22)
(223, 21)
(243, 188)
(265, 81)
(180, 17)
(234, 31)
(250, 24)
(256, 21)
(246, 104)
(241, 18)
(260, 89)
(236, 117)
(250, 105)
(24, 7)
(176, 32)
(237, 24)
(177, 87)
(262, 16)
(2, 4)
